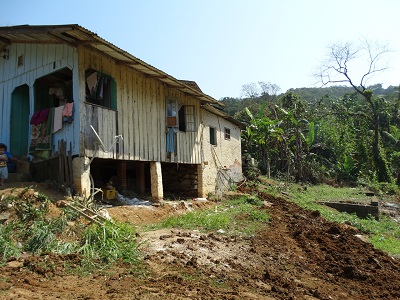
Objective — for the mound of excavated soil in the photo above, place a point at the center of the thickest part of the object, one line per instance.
(298, 255)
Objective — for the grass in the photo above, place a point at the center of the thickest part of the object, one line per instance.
(32, 231)
(7, 246)
(101, 246)
(383, 234)
(110, 243)
(240, 216)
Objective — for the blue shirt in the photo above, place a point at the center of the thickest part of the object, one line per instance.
(8, 155)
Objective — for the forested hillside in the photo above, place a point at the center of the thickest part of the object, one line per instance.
(310, 95)
(335, 134)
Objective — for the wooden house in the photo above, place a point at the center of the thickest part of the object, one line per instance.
(86, 112)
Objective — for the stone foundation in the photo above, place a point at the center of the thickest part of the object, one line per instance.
(180, 179)
(361, 210)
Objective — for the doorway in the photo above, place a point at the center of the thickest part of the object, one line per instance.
(19, 121)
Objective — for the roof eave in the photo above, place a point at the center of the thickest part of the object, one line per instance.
(75, 35)
(223, 115)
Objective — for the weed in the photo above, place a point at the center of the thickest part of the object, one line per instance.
(385, 243)
(254, 200)
(235, 216)
(41, 237)
(383, 234)
(109, 243)
(99, 245)
(8, 248)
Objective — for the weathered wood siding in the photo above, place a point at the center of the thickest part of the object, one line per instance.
(140, 116)
(104, 122)
(38, 61)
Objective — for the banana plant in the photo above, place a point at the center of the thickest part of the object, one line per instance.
(294, 134)
(264, 133)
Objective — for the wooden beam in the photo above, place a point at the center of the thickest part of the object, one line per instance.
(26, 29)
(126, 62)
(4, 40)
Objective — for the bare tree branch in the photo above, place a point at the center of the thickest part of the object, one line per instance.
(375, 54)
(269, 88)
(344, 58)
(250, 90)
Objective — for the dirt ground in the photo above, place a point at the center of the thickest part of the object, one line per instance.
(299, 255)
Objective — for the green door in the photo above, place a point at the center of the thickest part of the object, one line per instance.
(19, 121)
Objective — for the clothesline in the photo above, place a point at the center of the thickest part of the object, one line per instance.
(44, 123)
(61, 114)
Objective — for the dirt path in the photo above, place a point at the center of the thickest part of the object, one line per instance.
(299, 255)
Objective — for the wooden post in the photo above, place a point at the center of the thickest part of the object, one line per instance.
(200, 183)
(71, 176)
(140, 178)
(121, 173)
(60, 164)
(81, 173)
(65, 161)
(156, 180)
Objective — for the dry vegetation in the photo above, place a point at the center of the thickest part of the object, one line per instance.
(297, 254)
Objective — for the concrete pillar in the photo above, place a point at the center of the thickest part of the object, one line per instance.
(156, 180)
(81, 175)
(200, 182)
(121, 173)
(140, 178)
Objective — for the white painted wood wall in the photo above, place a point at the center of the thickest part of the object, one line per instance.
(38, 61)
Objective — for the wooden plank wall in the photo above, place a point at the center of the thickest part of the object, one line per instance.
(141, 114)
(104, 122)
(38, 61)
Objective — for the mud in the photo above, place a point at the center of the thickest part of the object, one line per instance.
(298, 255)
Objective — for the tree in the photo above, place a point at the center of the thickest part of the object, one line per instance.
(292, 112)
(269, 88)
(340, 67)
(250, 90)
(264, 133)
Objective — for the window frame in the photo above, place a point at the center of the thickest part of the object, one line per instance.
(213, 135)
(227, 134)
(191, 122)
(109, 90)
(171, 112)
(187, 118)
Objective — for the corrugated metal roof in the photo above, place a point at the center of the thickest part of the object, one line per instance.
(75, 35)
(192, 84)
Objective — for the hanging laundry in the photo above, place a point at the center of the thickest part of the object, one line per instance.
(171, 140)
(68, 112)
(99, 87)
(52, 91)
(58, 118)
(40, 144)
(40, 116)
(92, 82)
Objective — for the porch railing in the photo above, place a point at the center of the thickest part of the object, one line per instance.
(104, 122)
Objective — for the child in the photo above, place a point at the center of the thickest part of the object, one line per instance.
(3, 164)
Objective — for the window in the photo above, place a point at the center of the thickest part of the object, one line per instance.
(101, 89)
(20, 61)
(227, 133)
(190, 124)
(186, 118)
(172, 106)
(53, 90)
(213, 136)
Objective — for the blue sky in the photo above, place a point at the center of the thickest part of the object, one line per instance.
(225, 44)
